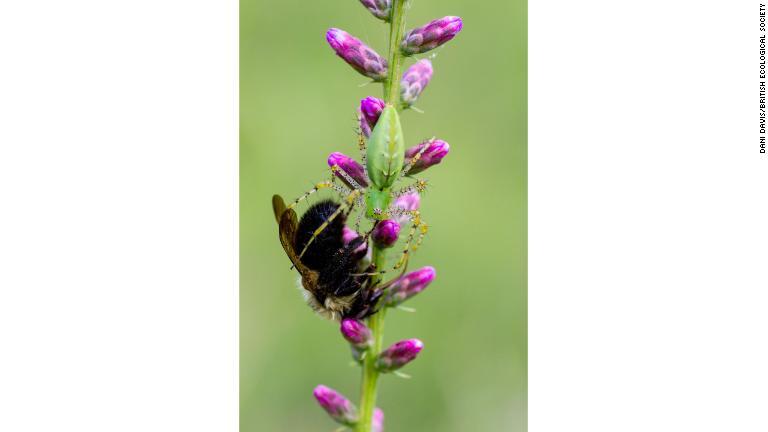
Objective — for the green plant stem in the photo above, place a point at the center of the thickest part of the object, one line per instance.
(370, 373)
(396, 30)
(376, 321)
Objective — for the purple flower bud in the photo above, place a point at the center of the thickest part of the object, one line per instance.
(434, 152)
(398, 355)
(431, 36)
(377, 424)
(349, 166)
(414, 81)
(386, 232)
(381, 9)
(408, 286)
(348, 234)
(355, 332)
(358, 55)
(336, 405)
(370, 110)
(408, 202)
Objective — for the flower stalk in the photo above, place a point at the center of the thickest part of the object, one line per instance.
(370, 372)
(385, 161)
(376, 321)
(396, 30)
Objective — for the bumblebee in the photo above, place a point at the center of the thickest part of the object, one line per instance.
(335, 285)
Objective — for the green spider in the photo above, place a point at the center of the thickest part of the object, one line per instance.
(383, 162)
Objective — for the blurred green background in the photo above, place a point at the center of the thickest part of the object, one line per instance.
(297, 105)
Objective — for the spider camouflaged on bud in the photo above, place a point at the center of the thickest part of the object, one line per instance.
(384, 157)
(431, 35)
(336, 405)
(357, 54)
(414, 81)
(398, 355)
(424, 155)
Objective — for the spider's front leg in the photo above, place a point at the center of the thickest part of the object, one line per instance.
(322, 185)
(419, 187)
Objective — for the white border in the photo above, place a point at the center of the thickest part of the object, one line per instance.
(648, 211)
(118, 233)
(118, 228)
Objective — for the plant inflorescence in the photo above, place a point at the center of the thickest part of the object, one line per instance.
(342, 267)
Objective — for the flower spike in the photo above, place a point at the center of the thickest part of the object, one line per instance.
(431, 36)
(345, 276)
(357, 54)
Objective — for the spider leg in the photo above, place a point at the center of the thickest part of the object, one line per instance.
(363, 151)
(417, 224)
(416, 157)
(420, 186)
(359, 217)
(322, 185)
(350, 182)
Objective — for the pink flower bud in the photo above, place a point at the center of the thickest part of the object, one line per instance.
(430, 36)
(361, 57)
(370, 110)
(385, 234)
(355, 332)
(408, 286)
(377, 424)
(414, 81)
(349, 166)
(381, 9)
(336, 405)
(433, 154)
(408, 202)
(398, 355)
(348, 234)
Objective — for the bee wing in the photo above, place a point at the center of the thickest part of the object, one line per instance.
(287, 220)
(278, 206)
